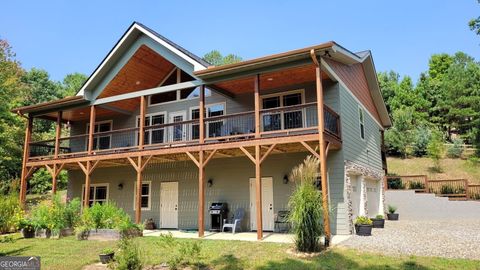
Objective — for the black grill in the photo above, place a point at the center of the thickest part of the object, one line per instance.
(218, 212)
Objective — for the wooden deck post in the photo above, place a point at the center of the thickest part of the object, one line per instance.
(87, 183)
(257, 105)
(91, 130)
(323, 157)
(58, 133)
(201, 111)
(258, 195)
(26, 155)
(201, 194)
(138, 204)
(141, 131)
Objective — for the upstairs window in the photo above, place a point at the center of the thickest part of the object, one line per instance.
(177, 76)
(361, 119)
(101, 141)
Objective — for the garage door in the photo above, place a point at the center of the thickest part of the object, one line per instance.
(355, 195)
(373, 197)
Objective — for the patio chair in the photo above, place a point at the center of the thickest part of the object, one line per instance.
(235, 222)
(281, 220)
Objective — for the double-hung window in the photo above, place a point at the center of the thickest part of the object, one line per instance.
(98, 194)
(101, 141)
(145, 195)
(283, 118)
(361, 120)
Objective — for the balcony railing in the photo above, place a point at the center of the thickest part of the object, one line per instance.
(283, 121)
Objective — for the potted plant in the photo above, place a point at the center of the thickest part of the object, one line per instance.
(106, 255)
(363, 226)
(391, 213)
(27, 227)
(378, 221)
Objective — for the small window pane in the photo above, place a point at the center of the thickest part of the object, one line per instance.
(190, 93)
(157, 136)
(104, 127)
(293, 119)
(271, 102)
(172, 79)
(144, 202)
(216, 110)
(195, 114)
(104, 142)
(163, 97)
(100, 193)
(293, 99)
(145, 189)
(272, 122)
(158, 119)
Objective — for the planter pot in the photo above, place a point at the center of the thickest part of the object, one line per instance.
(66, 232)
(43, 233)
(28, 233)
(378, 222)
(106, 258)
(392, 216)
(363, 229)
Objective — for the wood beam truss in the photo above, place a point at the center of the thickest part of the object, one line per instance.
(139, 165)
(54, 171)
(87, 170)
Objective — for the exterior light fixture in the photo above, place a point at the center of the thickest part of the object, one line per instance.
(120, 186)
(285, 179)
(210, 182)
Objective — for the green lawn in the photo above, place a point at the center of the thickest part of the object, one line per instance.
(69, 253)
(452, 168)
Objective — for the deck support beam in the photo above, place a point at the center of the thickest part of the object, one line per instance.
(322, 150)
(87, 170)
(141, 131)
(257, 159)
(54, 172)
(26, 155)
(139, 165)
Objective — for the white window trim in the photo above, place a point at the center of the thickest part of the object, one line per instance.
(360, 123)
(171, 128)
(280, 95)
(224, 103)
(95, 185)
(98, 123)
(137, 118)
(149, 195)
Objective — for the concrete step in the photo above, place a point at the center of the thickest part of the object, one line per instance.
(427, 206)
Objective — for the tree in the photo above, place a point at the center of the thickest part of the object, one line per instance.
(72, 83)
(11, 126)
(217, 59)
(436, 150)
(399, 137)
(474, 24)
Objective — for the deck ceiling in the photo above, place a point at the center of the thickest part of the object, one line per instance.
(271, 80)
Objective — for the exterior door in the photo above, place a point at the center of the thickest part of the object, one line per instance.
(169, 205)
(355, 180)
(178, 132)
(267, 204)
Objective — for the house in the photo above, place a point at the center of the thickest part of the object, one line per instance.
(164, 134)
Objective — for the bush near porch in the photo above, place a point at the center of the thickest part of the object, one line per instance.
(68, 253)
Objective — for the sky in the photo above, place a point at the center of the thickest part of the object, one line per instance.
(63, 37)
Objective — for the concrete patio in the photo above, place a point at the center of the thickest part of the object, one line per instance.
(241, 236)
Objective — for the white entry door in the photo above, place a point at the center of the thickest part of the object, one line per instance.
(267, 204)
(178, 132)
(169, 205)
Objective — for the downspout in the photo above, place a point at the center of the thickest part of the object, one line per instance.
(322, 146)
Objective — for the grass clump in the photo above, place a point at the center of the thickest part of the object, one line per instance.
(183, 253)
(306, 214)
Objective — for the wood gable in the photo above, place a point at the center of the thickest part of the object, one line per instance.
(354, 78)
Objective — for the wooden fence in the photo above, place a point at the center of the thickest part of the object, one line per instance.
(452, 188)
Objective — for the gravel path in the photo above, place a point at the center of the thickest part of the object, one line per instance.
(449, 239)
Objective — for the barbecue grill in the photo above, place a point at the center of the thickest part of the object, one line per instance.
(218, 212)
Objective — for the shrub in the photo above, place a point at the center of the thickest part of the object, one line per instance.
(363, 220)
(455, 150)
(305, 204)
(72, 213)
(447, 189)
(107, 250)
(55, 214)
(10, 212)
(395, 183)
(416, 185)
(379, 217)
(128, 257)
(392, 209)
(436, 150)
(421, 139)
(104, 216)
(182, 253)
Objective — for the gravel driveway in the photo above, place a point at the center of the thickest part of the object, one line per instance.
(449, 239)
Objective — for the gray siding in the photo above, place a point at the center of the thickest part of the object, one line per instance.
(366, 151)
(230, 184)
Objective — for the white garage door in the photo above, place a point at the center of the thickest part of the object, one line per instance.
(355, 195)
(373, 197)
